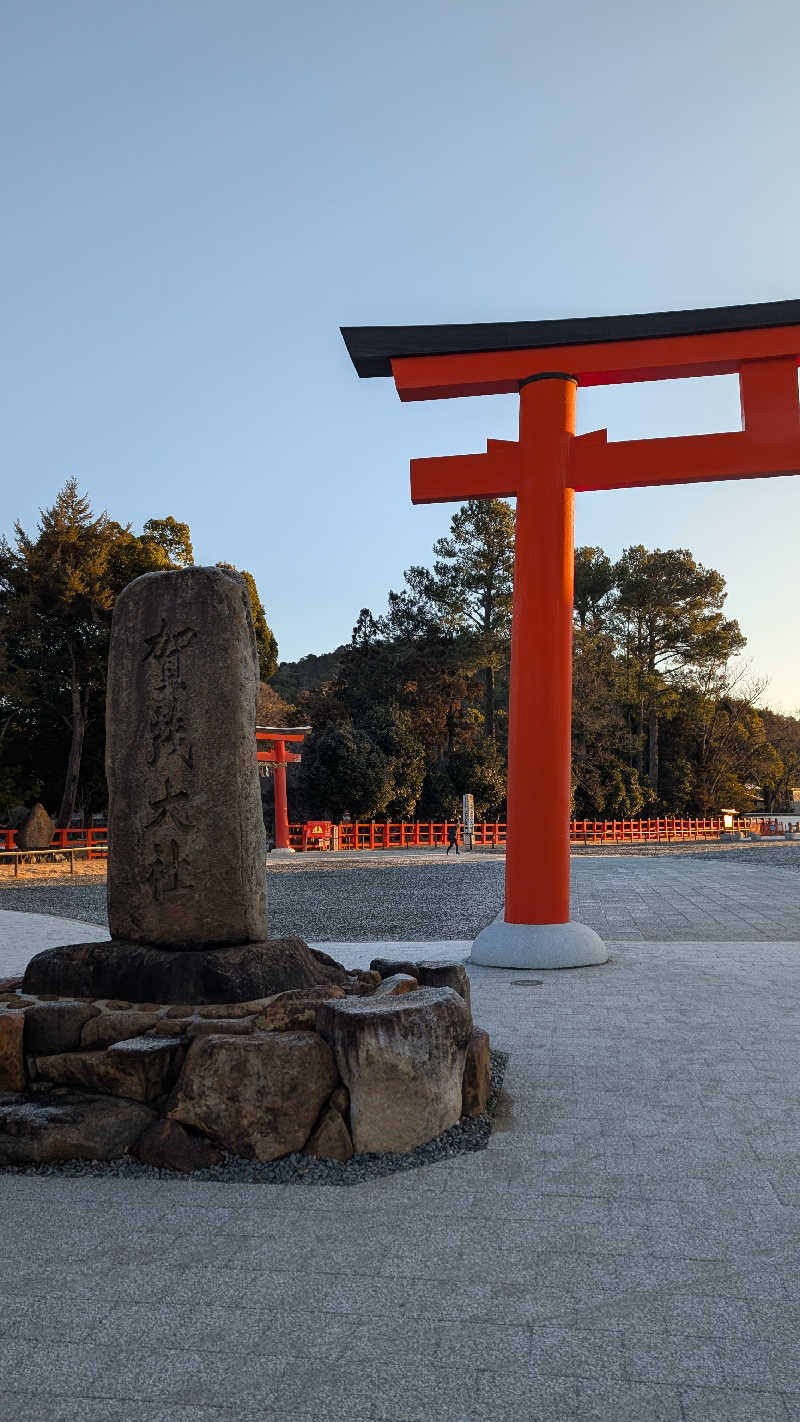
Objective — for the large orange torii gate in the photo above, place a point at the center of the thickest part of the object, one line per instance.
(545, 362)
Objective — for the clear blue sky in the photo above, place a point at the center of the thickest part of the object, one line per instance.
(196, 195)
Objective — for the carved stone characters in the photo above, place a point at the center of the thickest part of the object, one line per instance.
(186, 834)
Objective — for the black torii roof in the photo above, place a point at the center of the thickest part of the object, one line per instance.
(372, 348)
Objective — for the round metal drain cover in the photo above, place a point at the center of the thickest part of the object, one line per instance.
(527, 982)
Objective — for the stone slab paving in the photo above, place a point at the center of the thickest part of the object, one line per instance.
(628, 1247)
(753, 895)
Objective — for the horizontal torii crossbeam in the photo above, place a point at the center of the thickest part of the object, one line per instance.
(546, 361)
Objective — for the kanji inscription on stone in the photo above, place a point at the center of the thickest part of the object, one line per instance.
(186, 833)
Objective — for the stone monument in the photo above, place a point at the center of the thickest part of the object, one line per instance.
(187, 901)
(190, 1033)
(184, 807)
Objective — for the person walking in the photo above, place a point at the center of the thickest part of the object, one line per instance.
(452, 838)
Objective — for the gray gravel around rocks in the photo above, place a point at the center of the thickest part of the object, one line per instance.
(469, 1134)
(391, 897)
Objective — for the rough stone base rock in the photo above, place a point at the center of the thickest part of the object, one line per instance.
(402, 1060)
(452, 974)
(140, 1069)
(296, 1010)
(110, 1027)
(232, 1027)
(36, 830)
(168, 1146)
(56, 1026)
(387, 967)
(36, 1129)
(12, 1058)
(330, 1138)
(396, 985)
(257, 1096)
(138, 972)
(476, 1085)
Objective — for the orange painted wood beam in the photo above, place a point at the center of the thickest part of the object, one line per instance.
(691, 459)
(602, 363)
(494, 475)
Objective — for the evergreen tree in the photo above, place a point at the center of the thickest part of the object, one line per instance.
(669, 624)
(470, 589)
(343, 770)
(594, 585)
(57, 590)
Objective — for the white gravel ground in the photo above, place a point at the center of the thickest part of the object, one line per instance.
(347, 899)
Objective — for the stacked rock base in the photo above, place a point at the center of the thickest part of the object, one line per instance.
(380, 1061)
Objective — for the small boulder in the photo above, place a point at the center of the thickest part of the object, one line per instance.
(36, 830)
(168, 1146)
(396, 985)
(56, 1026)
(12, 1056)
(56, 1125)
(162, 1028)
(110, 1027)
(387, 967)
(402, 1060)
(330, 1138)
(236, 1027)
(296, 1010)
(453, 975)
(225, 1011)
(257, 1096)
(340, 1100)
(477, 1081)
(370, 976)
(140, 1069)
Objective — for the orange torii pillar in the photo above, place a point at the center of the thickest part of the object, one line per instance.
(546, 362)
(278, 757)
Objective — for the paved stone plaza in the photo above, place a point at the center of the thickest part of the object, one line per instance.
(628, 1247)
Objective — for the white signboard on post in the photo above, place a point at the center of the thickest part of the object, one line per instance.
(468, 820)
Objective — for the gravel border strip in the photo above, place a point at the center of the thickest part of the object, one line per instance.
(470, 1133)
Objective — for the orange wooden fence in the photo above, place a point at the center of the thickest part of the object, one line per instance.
(94, 841)
(410, 834)
(427, 834)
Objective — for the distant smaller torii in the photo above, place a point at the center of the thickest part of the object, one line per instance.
(278, 757)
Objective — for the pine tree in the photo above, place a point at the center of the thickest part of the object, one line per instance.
(470, 590)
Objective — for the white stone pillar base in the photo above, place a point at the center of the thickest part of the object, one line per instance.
(538, 945)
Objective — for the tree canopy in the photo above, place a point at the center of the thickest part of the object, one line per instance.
(57, 592)
(412, 713)
(663, 720)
